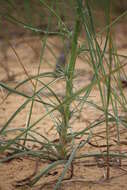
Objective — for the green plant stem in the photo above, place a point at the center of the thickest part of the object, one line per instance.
(108, 90)
(69, 86)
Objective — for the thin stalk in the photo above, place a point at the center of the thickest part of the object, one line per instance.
(69, 86)
(32, 102)
(36, 82)
(108, 91)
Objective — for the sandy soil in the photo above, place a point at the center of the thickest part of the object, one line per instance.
(88, 173)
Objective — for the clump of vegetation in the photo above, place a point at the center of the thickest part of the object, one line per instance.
(106, 68)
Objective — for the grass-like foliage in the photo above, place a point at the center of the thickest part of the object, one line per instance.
(106, 68)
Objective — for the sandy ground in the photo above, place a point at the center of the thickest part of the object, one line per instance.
(88, 173)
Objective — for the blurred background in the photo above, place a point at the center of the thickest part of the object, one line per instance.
(13, 14)
(21, 20)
